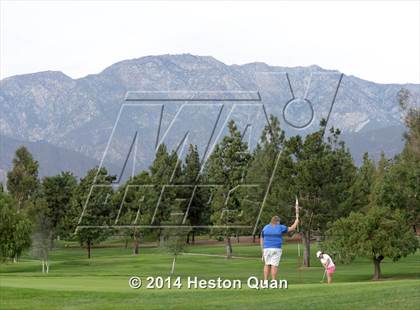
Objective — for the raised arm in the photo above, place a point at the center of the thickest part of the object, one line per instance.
(295, 224)
(293, 227)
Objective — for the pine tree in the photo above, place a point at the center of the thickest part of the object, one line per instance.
(400, 187)
(22, 180)
(323, 171)
(361, 190)
(383, 229)
(268, 161)
(92, 199)
(165, 171)
(135, 202)
(227, 167)
(196, 196)
(58, 192)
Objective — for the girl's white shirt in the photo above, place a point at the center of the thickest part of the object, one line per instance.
(326, 259)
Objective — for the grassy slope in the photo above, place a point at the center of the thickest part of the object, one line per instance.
(101, 283)
(403, 294)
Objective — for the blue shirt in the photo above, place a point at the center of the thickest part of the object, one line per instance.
(273, 235)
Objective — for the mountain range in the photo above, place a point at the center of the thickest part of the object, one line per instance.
(67, 123)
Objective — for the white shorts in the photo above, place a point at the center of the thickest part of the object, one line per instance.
(272, 256)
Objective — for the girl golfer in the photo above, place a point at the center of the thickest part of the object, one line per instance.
(328, 264)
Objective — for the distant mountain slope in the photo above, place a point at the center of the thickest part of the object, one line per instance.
(79, 114)
(388, 140)
(52, 159)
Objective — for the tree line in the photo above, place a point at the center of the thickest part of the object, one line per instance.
(370, 211)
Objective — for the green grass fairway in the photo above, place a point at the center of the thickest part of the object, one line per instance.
(75, 282)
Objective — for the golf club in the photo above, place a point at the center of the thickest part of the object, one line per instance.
(323, 277)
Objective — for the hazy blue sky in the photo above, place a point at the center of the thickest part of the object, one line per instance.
(377, 40)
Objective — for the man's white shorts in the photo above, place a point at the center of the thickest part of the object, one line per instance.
(272, 256)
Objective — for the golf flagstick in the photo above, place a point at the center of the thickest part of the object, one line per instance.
(297, 217)
(299, 258)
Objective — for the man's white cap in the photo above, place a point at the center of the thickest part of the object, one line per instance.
(318, 254)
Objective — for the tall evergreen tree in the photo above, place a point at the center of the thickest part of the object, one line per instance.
(227, 167)
(268, 161)
(22, 180)
(323, 171)
(401, 182)
(58, 193)
(363, 187)
(411, 113)
(94, 202)
(400, 189)
(136, 202)
(164, 172)
(196, 196)
(383, 229)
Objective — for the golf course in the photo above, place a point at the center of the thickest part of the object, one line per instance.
(209, 155)
(75, 282)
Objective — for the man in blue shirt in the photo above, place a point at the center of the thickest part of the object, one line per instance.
(271, 241)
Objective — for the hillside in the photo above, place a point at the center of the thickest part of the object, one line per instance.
(79, 114)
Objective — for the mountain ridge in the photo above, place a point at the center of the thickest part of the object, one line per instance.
(256, 63)
(78, 114)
